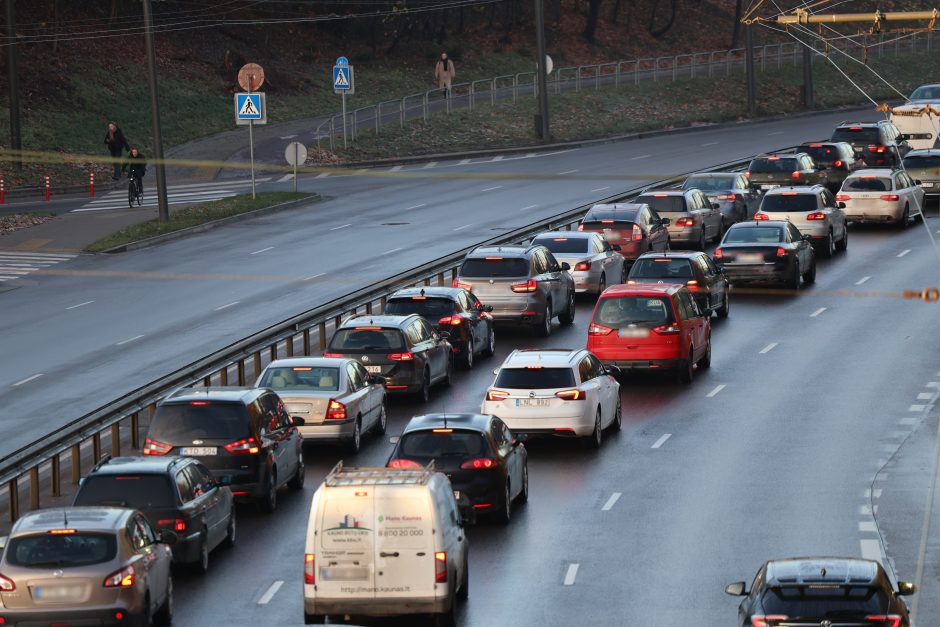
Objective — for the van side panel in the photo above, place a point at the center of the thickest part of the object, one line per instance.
(405, 543)
(345, 566)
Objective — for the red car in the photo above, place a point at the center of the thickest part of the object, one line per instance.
(642, 327)
(636, 228)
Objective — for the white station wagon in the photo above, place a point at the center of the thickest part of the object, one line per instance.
(881, 196)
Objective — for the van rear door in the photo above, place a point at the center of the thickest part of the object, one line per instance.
(404, 552)
(345, 565)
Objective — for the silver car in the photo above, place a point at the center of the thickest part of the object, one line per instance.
(924, 166)
(693, 218)
(594, 263)
(881, 195)
(337, 398)
(737, 199)
(521, 283)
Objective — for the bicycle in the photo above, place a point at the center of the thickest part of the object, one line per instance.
(135, 190)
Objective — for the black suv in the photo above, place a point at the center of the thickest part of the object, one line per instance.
(174, 493)
(876, 143)
(836, 158)
(771, 171)
(822, 591)
(406, 350)
(451, 310)
(243, 435)
(695, 270)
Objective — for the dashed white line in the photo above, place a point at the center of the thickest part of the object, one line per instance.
(424, 204)
(389, 252)
(776, 133)
(284, 178)
(263, 250)
(129, 340)
(267, 596)
(489, 189)
(289, 137)
(871, 550)
(498, 158)
(917, 408)
(396, 168)
(638, 157)
(933, 384)
(430, 164)
(600, 189)
(87, 302)
(867, 526)
(862, 280)
(706, 144)
(460, 228)
(314, 276)
(924, 396)
(713, 393)
(661, 440)
(909, 421)
(571, 575)
(611, 501)
(768, 348)
(529, 207)
(817, 312)
(232, 304)
(464, 162)
(27, 380)
(567, 172)
(341, 226)
(904, 252)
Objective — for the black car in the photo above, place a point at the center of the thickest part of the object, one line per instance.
(767, 251)
(834, 591)
(838, 159)
(876, 143)
(243, 435)
(737, 199)
(705, 280)
(486, 464)
(174, 493)
(406, 350)
(771, 171)
(452, 310)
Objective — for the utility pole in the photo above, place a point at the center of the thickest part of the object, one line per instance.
(749, 67)
(163, 207)
(16, 142)
(541, 118)
(809, 97)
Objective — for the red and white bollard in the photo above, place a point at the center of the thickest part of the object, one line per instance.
(3, 192)
(48, 189)
(91, 183)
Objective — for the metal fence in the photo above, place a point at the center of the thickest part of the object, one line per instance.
(466, 96)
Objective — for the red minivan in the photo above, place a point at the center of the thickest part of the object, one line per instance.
(642, 327)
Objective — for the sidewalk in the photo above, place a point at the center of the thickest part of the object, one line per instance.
(72, 232)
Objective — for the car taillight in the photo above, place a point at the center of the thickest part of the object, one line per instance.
(450, 320)
(155, 447)
(685, 222)
(582, 266)
(891, 197)
(401, 356)
(332, 354)
(403, 463)
(6, 585)
(440, 567)
(838, 164)
(693, 284)
(878, 149)
(529, 286)
(816, 215)
(795, 175)
(766, 620)
(667, 329)
(461, 284)
(571, 395)
(781, 252)
(248, 446)
(761, 216)
(890, 620)
(479, 463)
(580, 227)
(747, 173)
(123, 578)
(310, 566)
(637, 233)
(727, 196)
(335, 410)
(496, 395)
(843, 197)
(177, 524)
(596, 329)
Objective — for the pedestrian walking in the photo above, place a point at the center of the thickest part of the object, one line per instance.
(117, 144)
(444, 73)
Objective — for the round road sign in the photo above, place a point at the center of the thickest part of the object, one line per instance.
(342, 62)
(296, 153)
(252, 72)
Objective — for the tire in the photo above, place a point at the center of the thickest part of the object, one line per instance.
(467, 359)
(829, 247)
(721, 231)
(793, 282)
(504, 515)
(268, 502)
(723, 311)
(523, 496)
(464, 593)
(490, 348)
(130, 194)
(623, 274)
(809, 277)
(843, 243)
(232, 530)
(905, 218)
(314, 619)
(448, 618)
(354, 444)
(297, 481)
(596, 438)
(706, 361)
(617, 424)
(449, 375)
(684, 373)
(546, 327)
(382, 423)
(567, 317)
(201, 566)
(143, 619)
(424, 394)
(601, 285)
(700, 245)
(164, 615)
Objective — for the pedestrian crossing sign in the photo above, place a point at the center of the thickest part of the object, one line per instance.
(250, 107)
(344, 80)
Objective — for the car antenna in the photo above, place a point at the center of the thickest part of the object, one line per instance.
(65, 517)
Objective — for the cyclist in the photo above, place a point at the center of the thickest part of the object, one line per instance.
(136, 168)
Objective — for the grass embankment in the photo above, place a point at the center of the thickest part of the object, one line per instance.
(611, 111)
(194, 215)
(16, 221)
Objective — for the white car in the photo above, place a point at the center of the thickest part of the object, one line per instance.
(594, 263)
(813, 210)
(555, 392)
(881, 196)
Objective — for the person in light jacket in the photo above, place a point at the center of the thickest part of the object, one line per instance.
(444, 73)
(117, 144)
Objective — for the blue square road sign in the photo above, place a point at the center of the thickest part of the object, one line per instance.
(248, 107)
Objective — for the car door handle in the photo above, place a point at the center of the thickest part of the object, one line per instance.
(384, 554)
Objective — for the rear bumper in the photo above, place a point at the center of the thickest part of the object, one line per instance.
(562, 426)
(92, 616)
(328, 431)
(639, 364)
(877, 214)
(186, 550)
(374, 607)
(586, 281)
(757, 274)
(685, 234)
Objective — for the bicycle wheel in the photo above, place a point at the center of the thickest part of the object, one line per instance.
(140, 193)
(131, 193)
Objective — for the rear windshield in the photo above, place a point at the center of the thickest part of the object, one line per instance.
(494, 268)
(927, 92)
(824, 602)
(561, 245)
(771, 166)
(853, 134)
(143, 492)
(665, 268)
(366, 340)
(752, 234)
(61, 550)
(535, 378)
(664, 204)
(788, 202)
(430, 444)
(427, 307)
(867, 184)
(599, 215)
(301, 378)
(620, 311)
(922, 161)
(824, 154)
(173, 423)
(709, 183)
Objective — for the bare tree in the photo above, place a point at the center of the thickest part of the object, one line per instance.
(659, 31)
(590, 27)
(736, 29)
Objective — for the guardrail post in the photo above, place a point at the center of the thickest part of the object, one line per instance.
(76, 456)
(322, 333)
(34, 488)
(289, 346)
(369, 308)
(378, 114)
(401, 114)
(306, 342)
(440, 278)
(207, 380)
(96, 447)
(56, 477)
(617, 74)
(223, 376)
(116, 439)
(241, 372)
(675, 64)
(577, 80)
(469, 100)
(427, 282)
(135, 430)
(383, 301)
(256, 364)
(273, 351)
(14, 490)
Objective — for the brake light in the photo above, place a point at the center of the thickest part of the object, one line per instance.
(496, 395)
(479, 463)
(580, 227)
(248, 446)
(773, 158)
(692, 283)
(685, 222)
(795, 175)
(876, 149)
(310, 561)
(61, 532)
(582, 267)
(747, 173)
(660, 195)
(123, 578)
(461, 284)
(450, 320)
(839, 163)
(529, 286)
(781, 252)
(816, 215)
(815, 145)
(607, 221)
(855, 128)
(761, 216)
(6, 585)
(596, 329)
(571, 395)
(765, 620)
(401, 356)
(199, 403)
(178, 524)
(891, 197)
(843, 197)
(891, 620)
(155, 447)
(727, 196)
(637, 233)
(442, 430)
(403, 463)
(332, 354)
(667, 329)
(335, 410)
(440, 567)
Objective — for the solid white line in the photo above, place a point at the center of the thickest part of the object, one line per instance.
(289, 136)
(571, 574)
(567, 172)
(871, 550)
(263, 250)
(768, 348)
(529, 207)
(322, 175)
(267, 596)
(389, 252)
(360, 171)
(284, 178)
(430, 164)
(498, 158)
(489, 189)
(18, 265)
(129, 340)
(867, 526)
(904, 252)
(27, 379)
(817, 312)
(709, 144)
(87, 302)
(776, 133)
(611, 501)
(424, 204)
(314, 276)
(464, 161)
(640, 157)
(227, 306)
(342, 226)
(396, 168)
(600, 189)
(44, 256)
(460, 228)
(862, 280)
(661, 440)
(713, 393)
(7, 270)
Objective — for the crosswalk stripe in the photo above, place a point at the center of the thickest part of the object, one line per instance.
(174, 199)
(16, 265)
(176, 194)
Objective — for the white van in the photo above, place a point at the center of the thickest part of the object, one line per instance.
(920, 122)
(384, 542)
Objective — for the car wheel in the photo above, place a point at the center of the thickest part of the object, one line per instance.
(490, 348)
(905, 218)
(268, 502)
(464, 593)
(355, 442)
(231, 531)
(829, 246)
(793, 282)
(202, 564)
(617, 424)
(143, 619)
(810, 276)
(314, 619)
(164, 615)
(297, 481)
(725, 308)
(623, 274)
(505, 506)
(467, 360)
(701, 241)
(685, 368)
(706, 361)
(568, 316)
(524, 493)
(424, 394)
(382, 423)
(449, 373)
(844, 242)
(447, 618)
(721, 232)
(596, 438)
(546, 329)
(602, 284)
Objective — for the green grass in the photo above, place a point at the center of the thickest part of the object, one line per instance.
(194, 216)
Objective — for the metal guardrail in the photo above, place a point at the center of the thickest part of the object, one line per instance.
(39, 464)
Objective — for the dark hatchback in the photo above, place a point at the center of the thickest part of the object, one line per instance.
(768, 251)
(775, 170)
(737, 199)
(486, 464)
(841, 592)
(178, 494)
(695, 270)
(241, 434)
(838, 159)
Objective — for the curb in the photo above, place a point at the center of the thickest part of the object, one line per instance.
(199, 228)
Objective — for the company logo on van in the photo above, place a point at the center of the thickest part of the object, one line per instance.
(349, 522)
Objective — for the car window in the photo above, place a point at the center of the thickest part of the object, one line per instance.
(922, 161)
(793, 233)
(185, 421)
(823, 600)
(428, 444)
(427, 332)
(653, 218)
(687, 307)
(562, 244)
(366, 339)
(746, 233)
(197, 481)
(773, 165)
(431, 307)
(506, 436)
(899, 182)
(202, 476)
(139, 533)
(857, 134)
(553, 265)
(789, 202)
(61, 550)
(828, 199)
(493, 267)
(598, 245)
(616, 312)
(665, 268)
(137, 491)
(700, 262)
(462, 303)
(535, 378)
(271, 418)
(307, 378)
(363, 373)
(356, 380)
(664, 203)
(867, 184)
(539, 263)
(596, 366)
(709, 264)
(473, 302)
(183, 485)
(585, 370)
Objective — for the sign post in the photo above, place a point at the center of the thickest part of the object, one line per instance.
(296, 154)
(343, 83)
(250, 108)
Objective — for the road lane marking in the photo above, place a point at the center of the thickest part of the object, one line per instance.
(571, 574)
(263, 250)
(460, 228)
(713, 393)
(867, 526)
(817, 312)
(661, 440)
(489, 189)
(934, 384)
(640, 157)
(768, 348)
(567, 172)
(876, 493)
(27, 380)
(529, 207)
(424, 204)
(227, 306)
(396, 168)
(917, 408)
(322, 175)
(600, 189)
(389, 252)
(464, 162)
(498, 158)
(430, 164)
(706, 144)
(776, 133)
(904, 252)
(611, 501)
(924, 396)
(267, 596)
(342, 226)
(285, 178)
(314, 276)
(87, 302)
(289, 137)
(910, 421)
(871, 550)
(862, 280)
(129, 340)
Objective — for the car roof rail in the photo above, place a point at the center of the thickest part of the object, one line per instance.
(342, 476)
(101, 462)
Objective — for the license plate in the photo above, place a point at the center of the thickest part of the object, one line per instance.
(199, 451)
(633, 332)
(750, 258)
(928, 185)
(374, 369)
(768, 186)
(58, 593)
(532, 402)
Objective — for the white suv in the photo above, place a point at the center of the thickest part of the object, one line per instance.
(814, 211)
(557, 392)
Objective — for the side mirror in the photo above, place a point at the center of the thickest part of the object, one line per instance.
(224, 480)
(565, 266)
(443, 335)
(807, 238)
(168, 537)
(519, 438)
(378, 379)
(841, 205)
(297, 421)
(613, 371)
(3, 542)
(906, 588)
(715, 205)
(615, 247)
(665, 221)
(917, 182)
(496, 371)
(737, 589)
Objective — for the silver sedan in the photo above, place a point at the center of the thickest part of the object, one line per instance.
(336, 397)
(594, 262)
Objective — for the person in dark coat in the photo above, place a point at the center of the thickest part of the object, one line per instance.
(117, 144)
(136, 168)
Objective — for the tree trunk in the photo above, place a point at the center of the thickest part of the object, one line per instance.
(55, 24)
(614, 12)
(554, 7)
(590, 28)
(114, 12)
(736, 29)
(659, 32)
